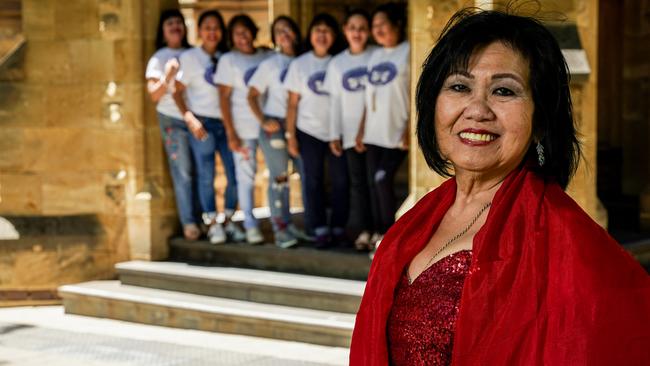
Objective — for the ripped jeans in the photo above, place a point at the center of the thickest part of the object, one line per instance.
(274, 147)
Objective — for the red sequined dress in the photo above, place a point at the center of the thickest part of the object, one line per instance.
(423, 316)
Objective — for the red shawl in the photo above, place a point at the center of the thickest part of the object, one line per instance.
(547, 285)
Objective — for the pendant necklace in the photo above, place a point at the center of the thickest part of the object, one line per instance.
(453, 239)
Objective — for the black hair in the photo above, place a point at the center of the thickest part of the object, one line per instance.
(245, 21)
(339, 43)
(160, 35)
(357, 11)
(297, 46)
(396, 15)
(223, 43)
(470, 30)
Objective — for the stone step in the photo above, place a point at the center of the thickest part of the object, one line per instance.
(331, 294)
(338, 263)
(111, 299)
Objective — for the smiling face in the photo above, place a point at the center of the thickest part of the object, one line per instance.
(284, 36)
(242, 39)
(356, 32)
(173, 32)
(210, 32)
(484, 115)
(384, 32)
(322, 38)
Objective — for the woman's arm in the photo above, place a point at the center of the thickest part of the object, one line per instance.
(193, 124)
(234, 142)
(158, 87)
(292, 116)
(359, 146)
(268, 125)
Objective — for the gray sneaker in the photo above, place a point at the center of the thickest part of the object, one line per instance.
(234, 232)
(284, 239)
(254, 236)
(300, 234)
(216, 235)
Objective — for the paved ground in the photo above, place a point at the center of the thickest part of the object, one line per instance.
(46, 336)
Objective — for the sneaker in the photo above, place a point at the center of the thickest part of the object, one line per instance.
(375, 240)
(284, 239)
(234, 232)
(323, 242)
(216, 235)
(362, 243)
(191, 232)
(340, 238)
(300, 234)
(254, 236)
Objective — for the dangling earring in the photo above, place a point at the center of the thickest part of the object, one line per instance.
(540, 154)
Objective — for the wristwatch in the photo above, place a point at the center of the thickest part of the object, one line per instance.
(288, 135)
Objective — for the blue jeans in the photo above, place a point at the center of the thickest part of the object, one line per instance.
(245, 169)
(176, 139)
(314, 153)
(274, 147)
(204, 155)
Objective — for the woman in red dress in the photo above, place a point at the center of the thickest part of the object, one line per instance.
(499, 266)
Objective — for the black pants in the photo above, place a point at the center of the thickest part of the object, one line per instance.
(314, 153)
(382, 166)
(360, 211)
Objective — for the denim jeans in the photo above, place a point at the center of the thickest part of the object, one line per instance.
(314, 153)
(360, 211)
(274, 147)
(204, 155)
(245, 169)
(176, 139)
(382, 166)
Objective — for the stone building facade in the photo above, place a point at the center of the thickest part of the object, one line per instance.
(83, 177)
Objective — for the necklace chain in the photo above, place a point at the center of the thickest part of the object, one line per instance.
(453, 239)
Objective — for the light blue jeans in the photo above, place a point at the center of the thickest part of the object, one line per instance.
(245, 169)
(176, 139)
(274, 147)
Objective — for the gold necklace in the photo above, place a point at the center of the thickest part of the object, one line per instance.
(453, 239)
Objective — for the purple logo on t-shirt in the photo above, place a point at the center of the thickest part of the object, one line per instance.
(249, 74)
(283, 74)
(208, 75)
(315, 83)
(355, 79)
(383, 73)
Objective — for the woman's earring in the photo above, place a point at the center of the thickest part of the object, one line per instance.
(540, 154)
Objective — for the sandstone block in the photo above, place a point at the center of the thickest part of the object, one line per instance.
(20, 194)
(38, 19)
(59, 150)
(73, 192)
(12, 146)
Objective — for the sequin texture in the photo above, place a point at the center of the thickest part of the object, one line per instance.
(421, 322)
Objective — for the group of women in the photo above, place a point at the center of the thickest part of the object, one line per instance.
(315, 103)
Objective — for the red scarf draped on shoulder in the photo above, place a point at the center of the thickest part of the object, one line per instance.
(547, 285)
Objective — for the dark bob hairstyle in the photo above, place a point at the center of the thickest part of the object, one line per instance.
(553, 126)
(160, 35)
(328, 20)
(297, 47)
(223, 44)
(396, 15)
(246, 22)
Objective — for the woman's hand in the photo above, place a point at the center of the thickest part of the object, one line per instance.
(292, 147)
(171, 68)
(195, 126)
(271, 125)
(405, 142)
(234, 142)
(336, 148)
(358, 142)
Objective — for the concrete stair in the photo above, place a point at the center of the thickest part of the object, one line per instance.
(286, 306)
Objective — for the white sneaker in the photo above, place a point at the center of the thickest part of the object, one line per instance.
(216, 234)
(363, 241)
(300, 234)
(234, 232)
(254, 236)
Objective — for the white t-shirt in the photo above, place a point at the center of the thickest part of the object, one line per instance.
(196, 73)
(305, 77)
(387, 96)
(268, 78)
(346, 79)
(156, 70)
(235, 70)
